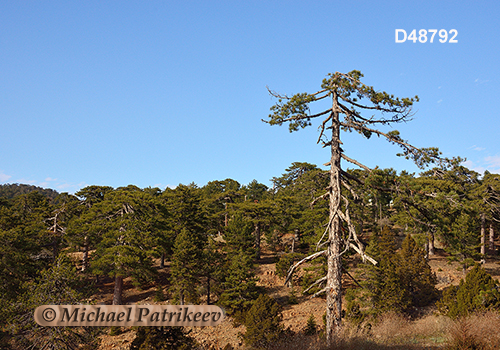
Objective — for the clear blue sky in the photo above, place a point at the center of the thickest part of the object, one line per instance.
(157, 93)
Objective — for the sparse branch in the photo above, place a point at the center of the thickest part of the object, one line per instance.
(367, 257)
(346, 185)
(355, 162)
(306, 259)
(355, 115)
(421, 157)
(323, 127)
(319, 198)
(321, 280)
(402, 111)
(318, 293)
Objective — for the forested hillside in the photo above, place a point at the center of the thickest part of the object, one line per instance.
(367, 242)
(203, 244)
(12, 190)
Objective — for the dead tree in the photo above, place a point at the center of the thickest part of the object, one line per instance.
(348, 96)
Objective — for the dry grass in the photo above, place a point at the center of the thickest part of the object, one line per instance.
(395, 332)
(477, 332)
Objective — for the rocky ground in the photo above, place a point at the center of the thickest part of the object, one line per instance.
(294, 316)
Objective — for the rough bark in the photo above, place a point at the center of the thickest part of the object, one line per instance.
(432, 249)
(483, 239)
(117, 294)
(334, 259)
(492, 239)
(85, 259)
(257, 241)
(162, 261)
(208, 289)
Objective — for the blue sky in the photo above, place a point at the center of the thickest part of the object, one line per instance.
(157, 93)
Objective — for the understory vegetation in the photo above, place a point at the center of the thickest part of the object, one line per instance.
(365, 245)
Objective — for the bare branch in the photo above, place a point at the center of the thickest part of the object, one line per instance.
(367, 257)
(318, 293)
(348, 274)
(306, 259)
(323, 127)
(322, 279)
(353, 161)
(319, 198)
(346, 185)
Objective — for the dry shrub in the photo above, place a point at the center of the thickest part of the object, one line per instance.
(475, 332)
(391, 328)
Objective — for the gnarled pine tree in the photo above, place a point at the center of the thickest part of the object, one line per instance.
(348, 96)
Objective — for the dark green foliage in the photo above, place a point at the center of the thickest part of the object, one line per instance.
(163, 338)
(263, 323)
(240, 236)
(123, 220)
(59, 285)
(186, 268)
(479, 292)
(401, 281)
(10, 191)
(464, 239)
(239, 288)
(353, 312)
(416, 276)
(311, 327)
(23, 241)
(285, 262)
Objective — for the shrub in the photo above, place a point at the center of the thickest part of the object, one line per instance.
(263, 322)
(151, 338)
(477, 293)
(311, 327)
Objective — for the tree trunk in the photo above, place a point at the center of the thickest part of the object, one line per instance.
(85, 259)
(117, 295)
(334, 260)
(431, 244)
(208, 289)
(483, 239)
(492, 239)
(181, 301)
(162, 261)
(257, 240)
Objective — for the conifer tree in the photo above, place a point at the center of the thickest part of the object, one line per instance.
(263, 323)
(163, 338)
(186, 265)
(240, 285)
(127, 238)
(416, 277)
(58, 285)
(479, 292)
(401, 281)
(348, 96)
(83, 230)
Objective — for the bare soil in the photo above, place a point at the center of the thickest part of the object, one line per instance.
(294, 316)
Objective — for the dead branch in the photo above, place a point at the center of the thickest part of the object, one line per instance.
(367, 257)
(322, 279)
(319, 198)
(318, 293)
(348, 274)
(353, 161)
(306, 259)
(346, 185)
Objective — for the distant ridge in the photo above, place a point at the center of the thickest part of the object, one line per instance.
(10, 191)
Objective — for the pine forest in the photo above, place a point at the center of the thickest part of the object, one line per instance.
(333, 256)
